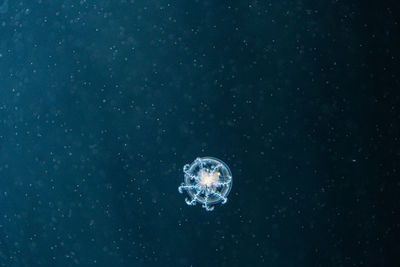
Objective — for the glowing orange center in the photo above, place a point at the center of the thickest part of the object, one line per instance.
(208, 179)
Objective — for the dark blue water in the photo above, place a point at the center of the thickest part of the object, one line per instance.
(103, 102)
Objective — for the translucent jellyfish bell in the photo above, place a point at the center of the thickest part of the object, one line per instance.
(208, 181)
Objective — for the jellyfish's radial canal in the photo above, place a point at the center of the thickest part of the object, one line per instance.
(222, 183)
(192, 177)
(224, 199)
(205, 205)
(186, 187)
(195, 198)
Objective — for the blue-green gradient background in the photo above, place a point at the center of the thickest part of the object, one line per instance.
(103, 102)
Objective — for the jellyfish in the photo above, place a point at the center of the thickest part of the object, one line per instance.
(207, 181)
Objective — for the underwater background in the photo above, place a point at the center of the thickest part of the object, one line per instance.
(102, 103)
